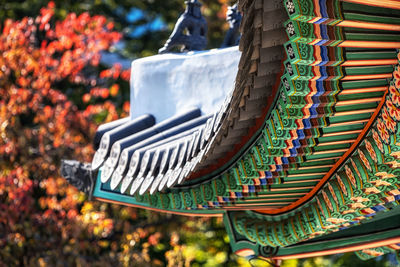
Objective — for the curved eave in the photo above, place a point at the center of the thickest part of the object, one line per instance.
(383, 231)
(305, 120)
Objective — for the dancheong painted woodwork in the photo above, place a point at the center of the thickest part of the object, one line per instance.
(303, 157)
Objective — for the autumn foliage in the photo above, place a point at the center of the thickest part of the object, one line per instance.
(43, 64)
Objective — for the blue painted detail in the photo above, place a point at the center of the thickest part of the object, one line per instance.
(321, 20)
(323, 9)
(252, 189)
(324, 74)
(378, 208)
(296, 143)
(324, 56)
(300, 132)
(313, 111)
(320, 90)
(324, 31)
(268, 174)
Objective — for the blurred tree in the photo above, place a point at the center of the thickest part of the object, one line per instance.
(145, 25)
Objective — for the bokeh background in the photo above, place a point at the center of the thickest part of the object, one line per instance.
(64, 69)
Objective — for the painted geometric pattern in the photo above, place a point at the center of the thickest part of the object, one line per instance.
(328, 154)
(367, 254)
(368, 181)
(328, 93)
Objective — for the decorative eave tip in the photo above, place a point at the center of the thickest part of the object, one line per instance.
(78, 174)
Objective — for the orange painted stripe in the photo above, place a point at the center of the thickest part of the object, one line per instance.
(330, 151)
(300, 181)
(363, 90)
(367, 77)
(261, 198)
(370, 62)
(314, 167)
(357, 101)
(369, 44)
(379, 3)
(347, 123)
(313, 160)
(244, 252)
(375, 244)
(354, 112)
(337, 142)
(279, 194)
(241, 207)
(317, 8)
(290, 188)
(334, 168)
(260, 204)
(304, 174)
(369, 25)
(341, 133)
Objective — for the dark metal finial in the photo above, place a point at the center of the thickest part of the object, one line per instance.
(233, 17)
(190, 30)
(79, 175)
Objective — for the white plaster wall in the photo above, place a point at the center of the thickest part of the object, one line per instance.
(167, 84)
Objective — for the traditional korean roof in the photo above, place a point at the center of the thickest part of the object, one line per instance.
(304, 147)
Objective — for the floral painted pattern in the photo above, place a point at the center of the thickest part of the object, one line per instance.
(290, 6)
(388, 120)
(355, 168)
(394, 94)
(350, 175)
(371, 150)
(382, 131)
(290, 29)
(327, 200)
(319, 204)
(377, 140)
(393, 110)
(341, 184)
(333, 193)
(396, 77)
(364, 160)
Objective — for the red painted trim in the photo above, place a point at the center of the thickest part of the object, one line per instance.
(375, 244)
(369, 44)
(369, 62)
(381, 3)
(369, 25)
